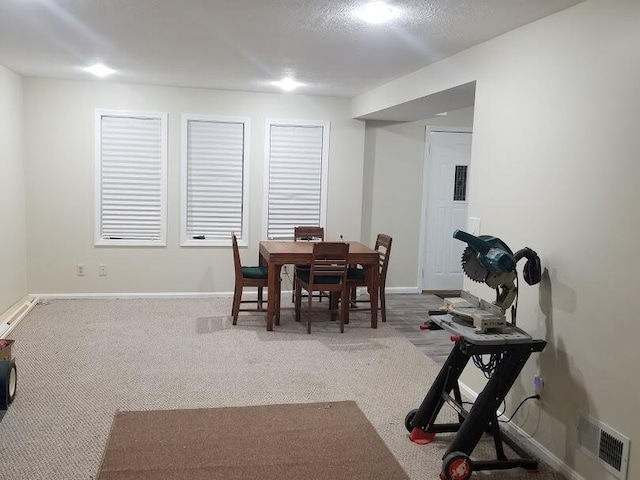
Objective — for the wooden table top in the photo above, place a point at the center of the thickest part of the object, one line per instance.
(292, 252)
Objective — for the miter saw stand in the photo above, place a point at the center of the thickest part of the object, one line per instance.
(478, 328)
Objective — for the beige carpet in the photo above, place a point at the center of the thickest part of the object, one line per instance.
(311, 441)
(80, 361)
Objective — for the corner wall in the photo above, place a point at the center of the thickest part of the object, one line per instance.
(555, 167)
(60, 200)
(13, 250)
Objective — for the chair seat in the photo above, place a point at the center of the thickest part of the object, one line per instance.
(355, 274)
(255, 272)
(305, 274)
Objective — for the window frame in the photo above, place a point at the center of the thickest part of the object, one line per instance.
(243, 240)
(324, 180)
(98, 240)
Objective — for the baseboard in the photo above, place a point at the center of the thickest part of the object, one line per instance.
(168, 295)
(531, 444)
(442, 293)
(401, 290)
(151, 295)
(12, 317)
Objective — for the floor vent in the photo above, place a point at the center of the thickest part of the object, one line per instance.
(605, 444)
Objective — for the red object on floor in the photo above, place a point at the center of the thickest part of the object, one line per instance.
(455, 338)
(424, 327)
(420, 437)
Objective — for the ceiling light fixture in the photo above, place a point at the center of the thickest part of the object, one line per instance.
(287, 84)
(99, 70)
(377, 12)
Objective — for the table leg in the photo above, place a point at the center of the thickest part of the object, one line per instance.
(277, 296)
(270, 298)
(273, 303)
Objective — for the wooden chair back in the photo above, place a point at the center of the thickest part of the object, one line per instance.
(308, 233)
(237, 265)
(383, 246)
(329, 259)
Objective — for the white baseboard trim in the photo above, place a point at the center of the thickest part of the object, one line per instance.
(531, 444)
(169, 295)
(152, 295)
(400, 290)
(12, 317)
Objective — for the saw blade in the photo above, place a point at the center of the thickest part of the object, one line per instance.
(472, 266)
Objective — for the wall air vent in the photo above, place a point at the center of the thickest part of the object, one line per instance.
(611, 448)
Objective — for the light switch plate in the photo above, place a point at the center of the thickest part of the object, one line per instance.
(473, 226)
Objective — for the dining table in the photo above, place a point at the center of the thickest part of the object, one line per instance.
(276, 253)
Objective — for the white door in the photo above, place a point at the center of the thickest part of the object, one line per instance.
(449, 154)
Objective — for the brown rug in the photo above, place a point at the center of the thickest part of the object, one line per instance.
(313, 441)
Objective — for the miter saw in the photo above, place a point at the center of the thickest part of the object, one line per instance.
(488, 259)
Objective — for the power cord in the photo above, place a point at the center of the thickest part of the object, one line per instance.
(514, 307)
(536, 396)
(286, 274)
(489, 366)
(504, 407)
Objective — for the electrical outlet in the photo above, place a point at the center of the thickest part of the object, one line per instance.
(538, 384)
(102, 271)
(284, 269)
(80, 269)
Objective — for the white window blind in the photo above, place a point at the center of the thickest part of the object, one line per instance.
(297, 172)
(131, 178)
(214, 170)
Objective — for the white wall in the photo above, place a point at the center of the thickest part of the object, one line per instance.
(60, 190)
(393, 183)
(555, 167)
(13, 259)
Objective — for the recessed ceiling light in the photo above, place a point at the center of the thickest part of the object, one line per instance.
(288, 84)
(377, 12)
(99, 70)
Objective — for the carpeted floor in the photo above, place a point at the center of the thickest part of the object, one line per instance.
(81, 361)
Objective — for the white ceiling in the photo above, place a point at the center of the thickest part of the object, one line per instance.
(247, 44)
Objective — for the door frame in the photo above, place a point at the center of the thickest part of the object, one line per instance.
(425, 191)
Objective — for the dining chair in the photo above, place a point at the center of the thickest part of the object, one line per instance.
(356, 277)
(247, 277)
(327, 272)
(309, 234)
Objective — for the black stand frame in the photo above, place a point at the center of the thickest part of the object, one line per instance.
(482, 416)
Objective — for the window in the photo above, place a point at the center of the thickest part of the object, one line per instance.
(131, 178)
(460, 184)
(214, 180)
(297, 155)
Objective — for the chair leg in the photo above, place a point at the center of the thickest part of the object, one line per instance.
(237, 296)
(277, 302)
(383, 306)
(297, 295)
(354, 296)
(346, 314)
(293, 286)
(344, 305)
(333, 305)
(259, 298)
(309, 310)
